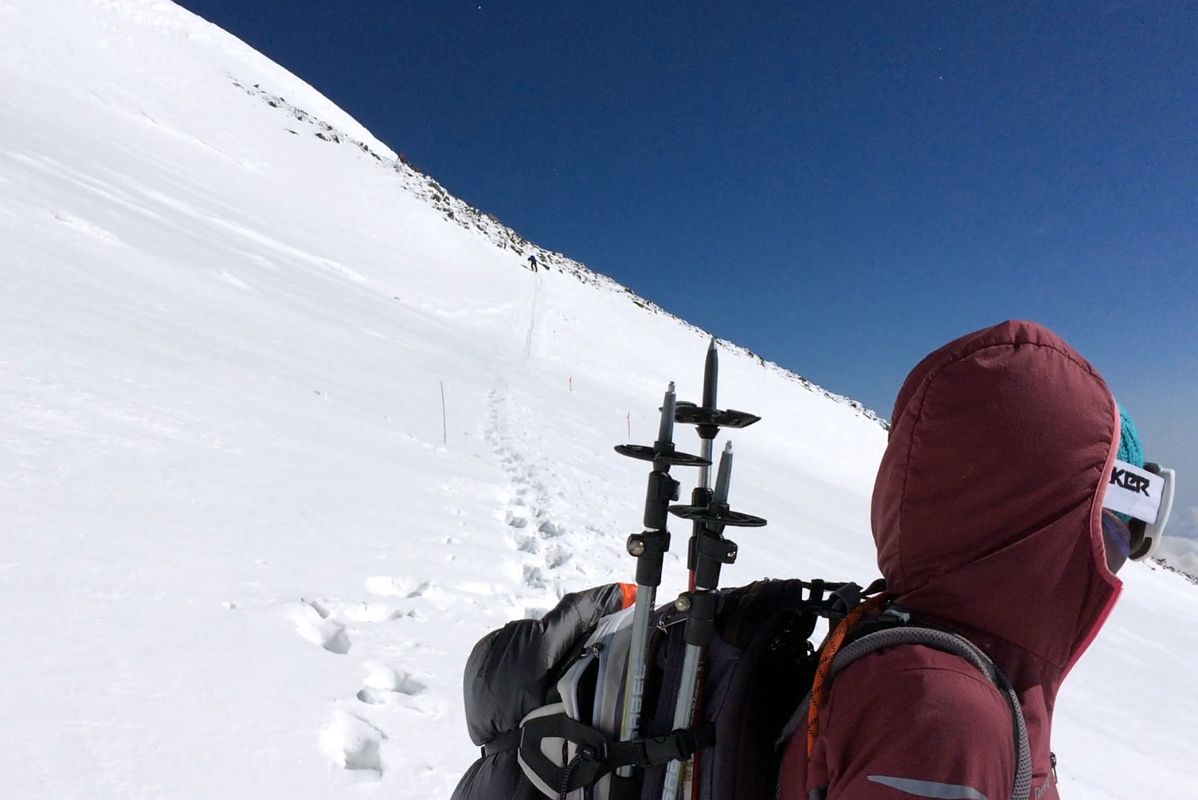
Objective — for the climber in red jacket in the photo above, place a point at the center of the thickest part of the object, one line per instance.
(988, 514)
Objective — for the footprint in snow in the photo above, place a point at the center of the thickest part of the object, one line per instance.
(313, 623)
(353, 743)
(384, 684)
(557, 556)
(534, 577)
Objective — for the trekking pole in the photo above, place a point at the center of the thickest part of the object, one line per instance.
(701, 495)
(708, 419)
(649, 547)
(712, 551)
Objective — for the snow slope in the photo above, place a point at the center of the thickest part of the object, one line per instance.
(245, 554)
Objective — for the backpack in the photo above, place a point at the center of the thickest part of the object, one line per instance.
(544, 697)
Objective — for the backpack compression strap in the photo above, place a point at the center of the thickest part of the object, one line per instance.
(949, 643)
(595, 756)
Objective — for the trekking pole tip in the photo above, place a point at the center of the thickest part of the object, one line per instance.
(723, 475)
(665, 432)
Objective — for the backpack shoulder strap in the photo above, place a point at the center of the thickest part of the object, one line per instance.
(838, 638)
(901, 634)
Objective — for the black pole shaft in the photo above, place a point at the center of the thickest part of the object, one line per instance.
(711, 376)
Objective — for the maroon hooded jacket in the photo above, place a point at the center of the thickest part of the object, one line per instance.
(986, 515)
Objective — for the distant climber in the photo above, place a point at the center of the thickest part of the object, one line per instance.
(532, 262)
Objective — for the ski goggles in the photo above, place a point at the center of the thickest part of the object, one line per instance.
(1146, 496)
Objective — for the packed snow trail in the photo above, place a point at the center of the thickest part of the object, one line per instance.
(532, 315)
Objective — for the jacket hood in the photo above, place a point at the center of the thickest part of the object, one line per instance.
(987, 505)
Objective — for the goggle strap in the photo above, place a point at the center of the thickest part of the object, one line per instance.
(1145, 495)
(1154, 532)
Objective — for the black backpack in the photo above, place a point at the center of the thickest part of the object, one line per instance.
(543, 696)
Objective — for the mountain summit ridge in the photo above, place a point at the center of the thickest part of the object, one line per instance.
(504, 237)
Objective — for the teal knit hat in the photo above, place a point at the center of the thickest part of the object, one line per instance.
(1130, 449)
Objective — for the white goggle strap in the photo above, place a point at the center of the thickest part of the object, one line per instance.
(1154, 532)
(1146, 495)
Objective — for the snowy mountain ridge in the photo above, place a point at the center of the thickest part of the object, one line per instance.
(505, 238)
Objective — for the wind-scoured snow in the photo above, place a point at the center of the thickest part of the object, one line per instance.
(284, 428)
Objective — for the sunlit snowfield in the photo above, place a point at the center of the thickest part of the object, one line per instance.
(246, 551)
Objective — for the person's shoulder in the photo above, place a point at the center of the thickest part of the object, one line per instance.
(929, 689)
(914, 712)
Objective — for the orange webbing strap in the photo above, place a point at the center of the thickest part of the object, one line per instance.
(831, 648)
(628, 594)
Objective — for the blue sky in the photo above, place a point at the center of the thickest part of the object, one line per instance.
(839, 186)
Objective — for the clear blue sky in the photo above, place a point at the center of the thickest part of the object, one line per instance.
(839, 186)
